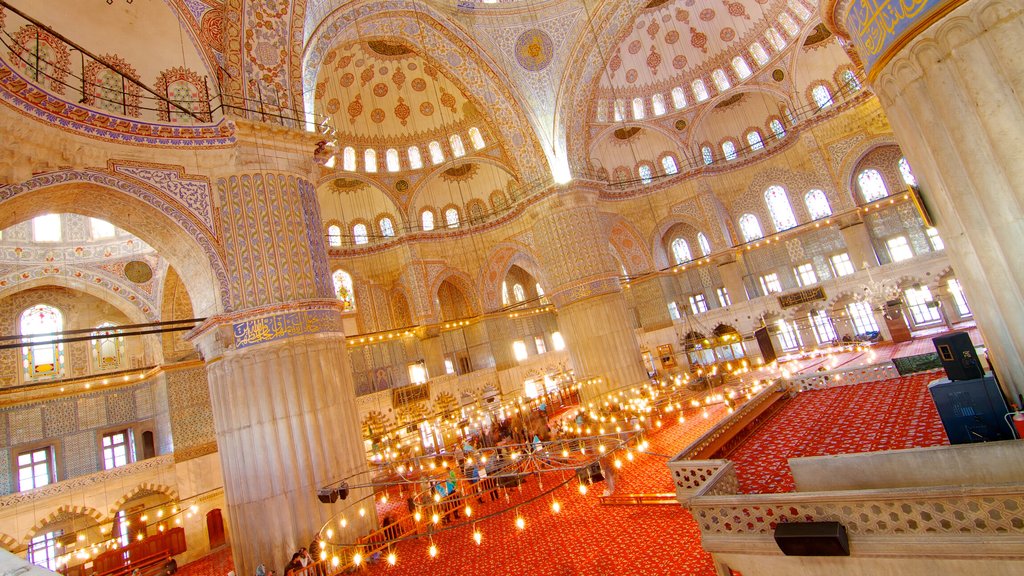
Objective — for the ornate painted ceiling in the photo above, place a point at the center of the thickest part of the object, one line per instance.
(383, 93)
(671, 41)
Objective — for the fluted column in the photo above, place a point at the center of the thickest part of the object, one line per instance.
(950, 77)
(592, 313)
(858, 245)
(281, 387)
(284, 407)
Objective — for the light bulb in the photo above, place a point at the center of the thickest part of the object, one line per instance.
(433, 551)
(477, 536)
(418, 516)
(469, 511)
(392, 558)
(357, 559)
(520, 523)
(556, 507)
(435, 519)
(335, 561)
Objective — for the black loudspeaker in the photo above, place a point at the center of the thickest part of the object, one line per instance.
(812, 539)
(327, 496)
(958, 357)
(590, 473)
(764, 342)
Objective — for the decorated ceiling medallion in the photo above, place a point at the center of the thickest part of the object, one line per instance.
(627, 133)
(778, 75)
(460, 173)
(680, 125)
(402, 185)
(347, 184)
(138, 272)
(818, 35)
(385, 48)
(534, 50)
(729, 101)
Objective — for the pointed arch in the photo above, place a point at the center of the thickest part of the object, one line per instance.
(496, 267)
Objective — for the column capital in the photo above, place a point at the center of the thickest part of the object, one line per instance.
(258, 326)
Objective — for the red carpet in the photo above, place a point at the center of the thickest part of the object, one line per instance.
(889, 415)
(217, 564)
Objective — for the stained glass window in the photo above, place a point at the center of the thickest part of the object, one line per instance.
(821, 96)
(370, 160)
(681, 251)
(750, 228)
(451, 217)
(777, 128)
(740, 67)
(415, 160)
(360, 235)
(754, 140)
(645, 173)
(705, 153)
(871, 185)
(348, 162)
(817, 204)
(658, 104)
(668, 164)
(700, 91)
(391, 159)
(476, 138)
(518, 293)
(427, 219)
(344, 291)
(42, 358)
(638, 109)
(678, 98)
(759, 53)
(107, 348)
(334, 235)
(779, 208)
(906, 173)
(705, 246)
(458, 150)
(436, 154)
(720, 79)
(387, 227)
(729, 150)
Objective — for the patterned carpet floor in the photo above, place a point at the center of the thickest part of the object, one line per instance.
(889, 415)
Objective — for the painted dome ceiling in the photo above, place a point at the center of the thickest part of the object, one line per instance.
(676, 39)
(379, 92)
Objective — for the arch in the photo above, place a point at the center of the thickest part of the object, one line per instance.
(461, 281)
(629, 247)
(435, 172)
(708, 107)
(496, 267)
(118, 299)
(437, 37)
(661, 258)
(849, 162)
(145, 487)
(58, 514)
(155, 216)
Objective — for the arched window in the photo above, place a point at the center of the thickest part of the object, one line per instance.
(46, 228)
(348, 162)
(678, 98)
(360, 234)
(391, 159)
(906, 173)
(427, 220)
(754, 140)
(681, 251)
(619, 111)
(387, 227)
(871, 185)
(705, 153)
(344, 291)
(370, 160)
(458, 150)
(602, 110)
(658, 104)
(101, 229)
(817, 204)
(740, 67)
(415, 160)
(645, 173)
(729, 150)
(436, 155)
(850, 80)
(799, 9)
(668, 164)
(504, 294)
(777, 128)
(789, 25)
(778, 206)
(451, 217)
(518, 293)
(186, 88)
(720, 79)
(107, 348)
(759, 53)
(750, 228)
(700, 91)
(476, 138)
(42, 358)
(822, 97)
(334, 235)
(775, 39)
(638, 109)
(705, 246)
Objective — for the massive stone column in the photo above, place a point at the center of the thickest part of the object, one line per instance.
(858, 244)
(281, 386)
(950, 76)
(732, 278)
(592, 313)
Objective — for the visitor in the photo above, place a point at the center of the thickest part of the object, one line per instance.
(294, 565)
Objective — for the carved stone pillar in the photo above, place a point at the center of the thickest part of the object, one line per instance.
(281, 386)
(732, 278)
(592, 313)
(951, 79)
(858, 245)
